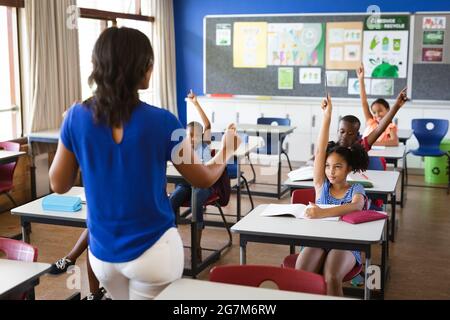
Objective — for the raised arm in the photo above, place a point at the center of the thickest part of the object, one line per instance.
(207, 125)
(363, 94)
(322, 143)
(384, 123)
(204, 176)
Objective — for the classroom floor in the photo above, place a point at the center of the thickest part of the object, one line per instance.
(419, 258)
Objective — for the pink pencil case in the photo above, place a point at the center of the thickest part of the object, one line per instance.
(358, 217)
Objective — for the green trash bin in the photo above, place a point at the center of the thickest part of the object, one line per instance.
(436, 169)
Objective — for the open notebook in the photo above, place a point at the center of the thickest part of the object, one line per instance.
(302, 174)
(294, 210)
(360, 178)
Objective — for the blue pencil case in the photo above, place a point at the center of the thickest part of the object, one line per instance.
(61, 203)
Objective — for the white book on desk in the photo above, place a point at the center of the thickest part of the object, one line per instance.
(293, 210)
(302, 174)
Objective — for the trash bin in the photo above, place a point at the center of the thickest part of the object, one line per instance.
(436, 169)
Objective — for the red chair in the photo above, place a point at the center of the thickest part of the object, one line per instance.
(285, 279)
(304, 196)
(7, 171)
(19, 251)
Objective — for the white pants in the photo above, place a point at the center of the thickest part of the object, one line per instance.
(145, 277)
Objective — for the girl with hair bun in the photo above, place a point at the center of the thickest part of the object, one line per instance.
(333, 162)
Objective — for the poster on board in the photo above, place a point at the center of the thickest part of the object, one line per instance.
(385, 46)
(250, 45)
(295, 44)
(344, 45)
(223, 34)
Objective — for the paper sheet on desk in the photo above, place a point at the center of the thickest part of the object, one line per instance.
(293, 210)
(302, 174)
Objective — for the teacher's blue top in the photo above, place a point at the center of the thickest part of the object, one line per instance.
(125, 183)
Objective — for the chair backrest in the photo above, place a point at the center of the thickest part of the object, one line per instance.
(271, 147)
(285, 279)
(277, 121)
(430, 132)
(7, 170)
(18, 250)
(303, 196)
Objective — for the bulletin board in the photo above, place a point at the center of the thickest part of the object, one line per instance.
(294, 55)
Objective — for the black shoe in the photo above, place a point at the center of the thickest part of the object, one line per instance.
(61, 266)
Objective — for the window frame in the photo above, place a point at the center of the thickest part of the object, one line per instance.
(106, 17)
(15, 78)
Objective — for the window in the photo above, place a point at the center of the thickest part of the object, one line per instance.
(96, 16)
(10, 112)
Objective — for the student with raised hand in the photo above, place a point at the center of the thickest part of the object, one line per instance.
(200, 138)
(376, 112)
(332, 164)
(349, 126)
(122, 146)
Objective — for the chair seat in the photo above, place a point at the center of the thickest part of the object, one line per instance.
(5, 186)
(422, 152)
(289, 262)
(212, 200)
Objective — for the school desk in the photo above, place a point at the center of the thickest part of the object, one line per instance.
(315, 233)
(275, 132)
(17, 277)
(33, 213)
(393, 155)
(189, 289)
(404, 135)
(384, 186)
(10, 156)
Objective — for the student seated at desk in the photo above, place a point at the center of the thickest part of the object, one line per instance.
(380, 109)
(200, 139)
(122, 146)
(332, 165)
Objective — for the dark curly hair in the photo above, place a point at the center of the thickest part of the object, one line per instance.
(121, 59)
(355, 156)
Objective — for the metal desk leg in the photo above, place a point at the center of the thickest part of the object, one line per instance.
(194, 235)
(238, 191)
(402, 192)
(279, 167)
(292, 249)
(366, 276)
(393, 222)
(384, 260)
(26, 230)
(33, 175)
(243, 252)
